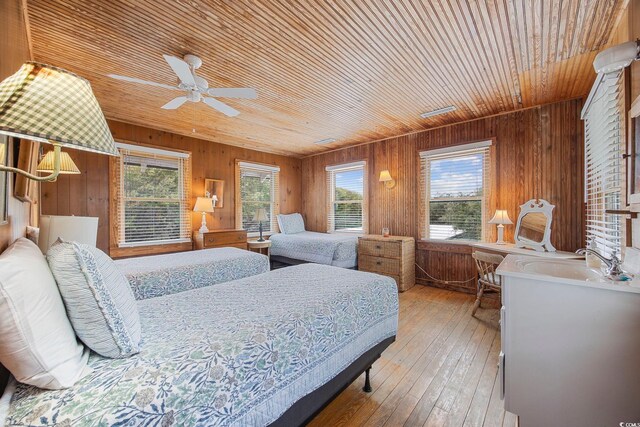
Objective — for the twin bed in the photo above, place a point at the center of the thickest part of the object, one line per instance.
(294, 245)
(226, 342)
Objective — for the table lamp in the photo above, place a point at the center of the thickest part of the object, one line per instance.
(501, 217)
(260, 215)
(204, 205)
(54, 106)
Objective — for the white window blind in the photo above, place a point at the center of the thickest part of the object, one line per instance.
(257, 186)
(604, 122)
(346, 201)
(454, 186)
(154, 187)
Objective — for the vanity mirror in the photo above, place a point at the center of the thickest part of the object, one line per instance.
(533, 229)
(215, 187)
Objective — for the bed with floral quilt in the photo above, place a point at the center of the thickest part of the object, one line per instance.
(156, 275)
(337, 249)
(245, 353)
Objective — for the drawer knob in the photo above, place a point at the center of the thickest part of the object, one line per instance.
(378, 247)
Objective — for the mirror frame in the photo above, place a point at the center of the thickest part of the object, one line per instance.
(536, 206)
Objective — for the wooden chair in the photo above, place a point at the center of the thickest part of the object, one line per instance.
(489, 281)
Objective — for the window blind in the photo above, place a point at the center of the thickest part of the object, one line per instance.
(153, 191)
(346, 201)
(454, 187)
(604, 121)
(257, 186)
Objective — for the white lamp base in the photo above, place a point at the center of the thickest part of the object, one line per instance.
(500, 240)
(203, 226)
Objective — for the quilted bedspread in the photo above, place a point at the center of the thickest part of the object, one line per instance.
(322, 248)
(157, 275)
(238, 353)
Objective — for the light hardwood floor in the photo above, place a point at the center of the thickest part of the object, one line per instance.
(441, 371)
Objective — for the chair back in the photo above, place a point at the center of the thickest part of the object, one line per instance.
(486, 264)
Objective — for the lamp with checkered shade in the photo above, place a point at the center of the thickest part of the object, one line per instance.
(51, 105)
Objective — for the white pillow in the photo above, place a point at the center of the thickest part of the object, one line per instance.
(37, 343)
(98, 298)
(291, 224)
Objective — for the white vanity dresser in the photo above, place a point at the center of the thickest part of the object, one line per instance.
(570, 344)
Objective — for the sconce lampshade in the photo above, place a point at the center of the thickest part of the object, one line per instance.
(500, 217)
(203, 204)
(260, 215)
(48, 104)
(385, 176)
(66, 164)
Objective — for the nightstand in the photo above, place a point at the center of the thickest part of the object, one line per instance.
(260, 247)
(392, 256)
(220, 239)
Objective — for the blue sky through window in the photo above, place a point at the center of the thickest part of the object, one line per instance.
(350, 180)
(457, 176)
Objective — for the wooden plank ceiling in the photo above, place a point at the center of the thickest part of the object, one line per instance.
(356, 71)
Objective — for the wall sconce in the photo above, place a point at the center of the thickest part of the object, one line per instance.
(47, 164)
(385, 177)
(51, 105)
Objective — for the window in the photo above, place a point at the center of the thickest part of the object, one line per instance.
(454, 187)
(604, 120)
(346, 188)
(257, 186)
(153, 192)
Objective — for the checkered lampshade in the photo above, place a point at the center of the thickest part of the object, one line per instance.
(49, 104)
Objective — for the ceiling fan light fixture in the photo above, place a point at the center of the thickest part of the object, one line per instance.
(325, 141)
(438, 111)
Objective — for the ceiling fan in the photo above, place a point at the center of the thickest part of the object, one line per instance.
(196, 87)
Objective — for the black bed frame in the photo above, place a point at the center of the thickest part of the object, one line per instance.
(305, 409)
(278, 261)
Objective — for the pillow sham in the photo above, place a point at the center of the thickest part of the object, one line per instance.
(98, 299)
(291, 223)
(38, 346)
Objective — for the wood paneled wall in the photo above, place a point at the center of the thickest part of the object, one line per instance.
(88, 193)
(539, 153)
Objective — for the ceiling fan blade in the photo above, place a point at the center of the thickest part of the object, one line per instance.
(221, 106)
(181, 68)
(234, 92)
(175, 103)
(144, 82)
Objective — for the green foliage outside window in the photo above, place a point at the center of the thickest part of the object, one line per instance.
(152, 208)
(255, 193)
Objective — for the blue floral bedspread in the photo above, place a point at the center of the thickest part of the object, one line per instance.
(322, 248)
(157, 275)
(238, 353)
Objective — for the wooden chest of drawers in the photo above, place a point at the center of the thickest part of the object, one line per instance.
(392, 256)
(220, 239)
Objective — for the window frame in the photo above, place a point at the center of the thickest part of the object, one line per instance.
(330, 188)
(486, 148)
(119, 246)
(274, 205)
